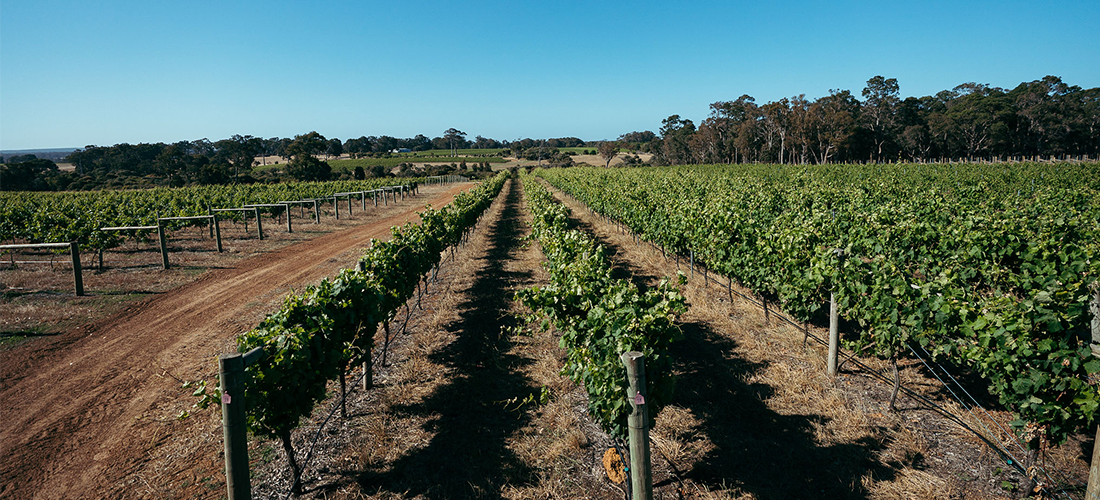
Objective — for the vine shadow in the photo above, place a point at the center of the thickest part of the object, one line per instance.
(757, 449)
(467, 456)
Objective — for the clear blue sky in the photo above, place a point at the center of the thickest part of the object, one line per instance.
(74, 73)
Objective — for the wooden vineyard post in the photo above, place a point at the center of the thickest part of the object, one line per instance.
(234, 431)
(316, 212)
(1093, 490)
(286, 212)
(834, 335)
(363, 201)
(350, 213)
(374, 196)
(217, 232)
(259, 225)
(234, 425)
(641, 473)
(163, 244)
(78, 273)
(336, 206)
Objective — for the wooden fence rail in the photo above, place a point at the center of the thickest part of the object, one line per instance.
(74, 249)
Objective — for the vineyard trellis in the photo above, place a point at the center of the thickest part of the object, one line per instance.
(989, 266)
(320, 334)
(101, 220)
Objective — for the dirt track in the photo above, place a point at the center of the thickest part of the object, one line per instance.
(83, 410)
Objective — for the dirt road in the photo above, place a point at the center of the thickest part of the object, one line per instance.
(83, 411)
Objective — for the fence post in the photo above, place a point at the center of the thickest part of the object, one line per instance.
(641, 473)
(163, 244)
(316, 212)
(1093, 490)
(259, 225)
(336, 206)
(78, 273)
(286, 212)
(834, 335)
(217, 232)
(237, 484)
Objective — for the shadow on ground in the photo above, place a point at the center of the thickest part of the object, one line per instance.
(757, 450)
(467, 457)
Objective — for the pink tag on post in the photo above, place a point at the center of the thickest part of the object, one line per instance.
(638, 399)
(226, 399)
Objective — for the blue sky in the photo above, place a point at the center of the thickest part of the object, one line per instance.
(74, 73)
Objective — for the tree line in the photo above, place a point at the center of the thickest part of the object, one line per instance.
(1045, 117)
(232, 160)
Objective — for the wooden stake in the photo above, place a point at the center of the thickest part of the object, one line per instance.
(163, 245)
(1093, 490)
(259, 225)
(217, 232)
(834, 335)
(78, 274)
(234, 425)
(641, 473)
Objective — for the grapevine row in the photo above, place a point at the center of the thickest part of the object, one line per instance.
(600, 317)
(39, 217)
(317, 335)
(988, 266)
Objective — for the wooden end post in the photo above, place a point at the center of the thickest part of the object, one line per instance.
(259, 225)
(234, 431)
(336, 206)
(163, 244)
(217, 232)
(363, 201)
(641, 473)
(286, 212)
(78, 273)
(350, 213)
(316, 212)
(834, 335)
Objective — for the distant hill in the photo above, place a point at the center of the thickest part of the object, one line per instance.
(55, 154)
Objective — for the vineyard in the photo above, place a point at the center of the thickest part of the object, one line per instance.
(993, 268)
(990, 269)
(27, 217)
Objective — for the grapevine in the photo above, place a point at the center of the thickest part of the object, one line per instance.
(318, 334)
(600, 317)
(988, 266)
